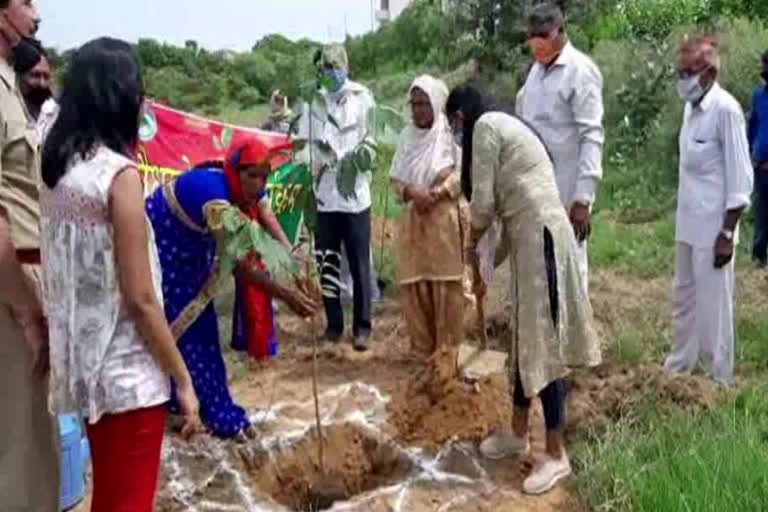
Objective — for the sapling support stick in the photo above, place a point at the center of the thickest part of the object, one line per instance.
(383, 232)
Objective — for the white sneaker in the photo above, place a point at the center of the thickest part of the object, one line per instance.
(503, 443)
(546, 475)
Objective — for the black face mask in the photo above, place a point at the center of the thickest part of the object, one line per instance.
(37, 96)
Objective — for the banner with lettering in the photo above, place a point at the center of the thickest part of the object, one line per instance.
(171, 142)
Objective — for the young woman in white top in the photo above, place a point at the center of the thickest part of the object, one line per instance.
(112, 352)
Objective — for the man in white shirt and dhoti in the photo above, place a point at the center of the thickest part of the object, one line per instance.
(715, 186)
(562, 99)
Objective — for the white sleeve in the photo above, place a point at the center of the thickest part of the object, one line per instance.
(587, 104)
(738, 164)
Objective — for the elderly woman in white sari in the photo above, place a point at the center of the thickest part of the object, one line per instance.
(430, 259)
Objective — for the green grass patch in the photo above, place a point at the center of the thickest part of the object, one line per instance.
(713, 461)
(252, 117)
(752, 343)
(641, 250)
(630, 347)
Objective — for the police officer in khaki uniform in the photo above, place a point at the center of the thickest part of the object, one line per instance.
(29, 473)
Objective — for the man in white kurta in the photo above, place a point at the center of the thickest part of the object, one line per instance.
(715, 187)
(563, 100)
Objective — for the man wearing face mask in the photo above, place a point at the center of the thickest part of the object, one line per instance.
(714, 190)
(343, 221)
(758, 145)
(563, 100)
(29, 473)
(31, 64)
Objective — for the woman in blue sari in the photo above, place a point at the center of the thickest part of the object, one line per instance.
(186, 217)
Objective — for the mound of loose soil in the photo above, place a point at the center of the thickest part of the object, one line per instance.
(436, 406)
(356, 461)
(607, 393)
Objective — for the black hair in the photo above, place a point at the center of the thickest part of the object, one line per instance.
(545, 14)
(765, 56)
(4, 4)
(27, 55)
(472, 102)
(208, 164)
(100, 104)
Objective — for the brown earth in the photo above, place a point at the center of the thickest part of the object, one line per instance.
(429, 410)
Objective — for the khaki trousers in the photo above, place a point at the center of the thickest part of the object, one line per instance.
(434, 314)
(29, 467)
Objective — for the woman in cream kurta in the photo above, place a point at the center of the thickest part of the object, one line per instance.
(429, 251)
(508, 174)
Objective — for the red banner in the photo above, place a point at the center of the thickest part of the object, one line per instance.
(172, 141)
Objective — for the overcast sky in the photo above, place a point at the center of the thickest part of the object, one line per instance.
(218, 24)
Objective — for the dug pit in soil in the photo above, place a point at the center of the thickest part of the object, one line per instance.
(356, 461)
(436, 406)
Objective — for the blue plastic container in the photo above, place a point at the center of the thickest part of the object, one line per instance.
(72, 460)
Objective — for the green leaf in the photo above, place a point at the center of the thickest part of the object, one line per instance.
(371, 145)
(241, 236)
(299, 144)
(391, 118)
(385, 124)
(346, 178)
(363, 159)
(333, 122)
(226, 137)
(325, 153)
(326, 82)
(388, 137)
(293, 127)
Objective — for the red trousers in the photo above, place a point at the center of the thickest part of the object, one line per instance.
(125, 454)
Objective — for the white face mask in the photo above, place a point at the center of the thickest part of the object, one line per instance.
(690, 88)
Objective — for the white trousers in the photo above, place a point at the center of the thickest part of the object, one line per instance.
(703, 313)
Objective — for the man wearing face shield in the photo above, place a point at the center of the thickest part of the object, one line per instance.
(562, 99)
(36, 84)
(29, 473)
(715, 186)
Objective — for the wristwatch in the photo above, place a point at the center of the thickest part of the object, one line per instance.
(727, 233)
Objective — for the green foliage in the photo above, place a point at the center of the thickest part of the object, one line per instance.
(662, 460)
(643, 113)
(627, 248)
(751, 346)
(649, 19)
(240, 237)
(194, 79)
(403, 43)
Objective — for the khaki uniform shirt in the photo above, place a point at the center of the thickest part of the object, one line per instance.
(19, 164)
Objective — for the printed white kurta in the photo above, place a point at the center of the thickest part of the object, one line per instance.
(512, 178)
(100, 363)
(349, 108)
(715, 176)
